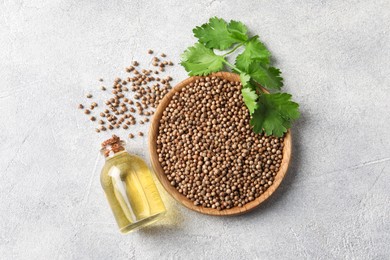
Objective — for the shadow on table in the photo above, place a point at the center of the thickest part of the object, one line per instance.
(172, 221)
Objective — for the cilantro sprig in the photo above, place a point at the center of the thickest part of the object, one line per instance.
(271, 112)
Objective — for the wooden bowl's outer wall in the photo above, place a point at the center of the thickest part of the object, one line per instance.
(172, 190)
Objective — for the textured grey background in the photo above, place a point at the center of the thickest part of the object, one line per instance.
(334, 202)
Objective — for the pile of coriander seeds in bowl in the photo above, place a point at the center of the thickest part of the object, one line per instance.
(204, 150)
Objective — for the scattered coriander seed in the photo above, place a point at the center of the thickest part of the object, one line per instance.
(92, 118)
(150, 51)
(141, 85)
(131, 136)
(97, 130)
(141, 134)
(163, 55)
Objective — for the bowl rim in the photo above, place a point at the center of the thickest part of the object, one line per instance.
(153, 131)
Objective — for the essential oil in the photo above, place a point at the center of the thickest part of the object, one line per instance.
(129, 187)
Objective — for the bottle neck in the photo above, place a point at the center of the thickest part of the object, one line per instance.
(115, 155)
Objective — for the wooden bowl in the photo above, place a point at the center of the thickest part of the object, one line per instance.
(172, 190)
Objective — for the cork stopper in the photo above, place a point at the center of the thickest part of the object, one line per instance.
(112, 146)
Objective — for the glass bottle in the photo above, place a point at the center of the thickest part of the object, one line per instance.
(129, 187)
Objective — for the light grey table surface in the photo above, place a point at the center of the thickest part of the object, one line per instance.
(334, 202)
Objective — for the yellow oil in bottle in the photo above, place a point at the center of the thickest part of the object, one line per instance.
(129, 187)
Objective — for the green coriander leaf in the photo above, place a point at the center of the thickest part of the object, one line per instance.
(254, 51)
(199, 60)
(248, 92)
(216, 35)
(249, 96)
(245, 78)
(268, 77)
(274, 114)
(238, 31)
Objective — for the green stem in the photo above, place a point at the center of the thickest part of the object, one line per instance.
(231, 66)
(233, 50)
